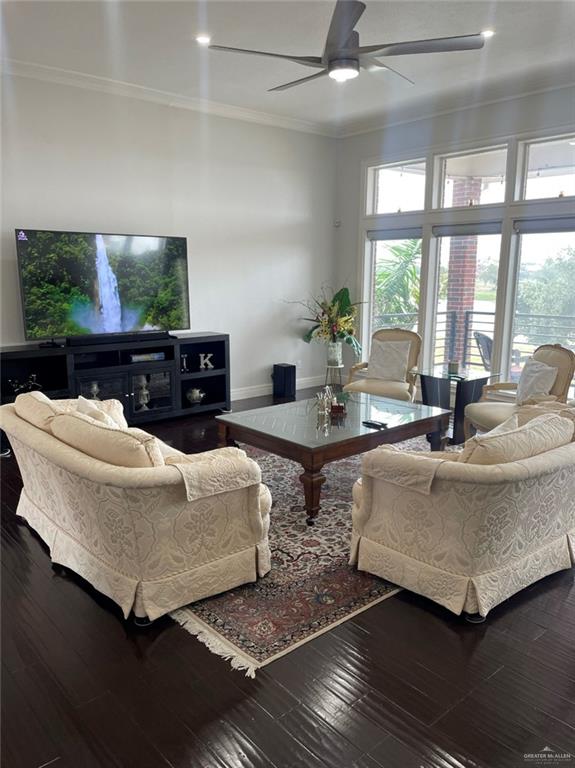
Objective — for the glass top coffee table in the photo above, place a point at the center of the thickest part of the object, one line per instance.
(297, 431)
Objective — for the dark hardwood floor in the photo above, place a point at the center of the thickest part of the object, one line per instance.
(404, 685)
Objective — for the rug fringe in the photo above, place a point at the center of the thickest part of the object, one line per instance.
(216, 645)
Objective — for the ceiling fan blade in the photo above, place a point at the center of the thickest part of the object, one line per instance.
(434, 45)
(308, 61)
(302, 80)
(346, 14)
(373, 65)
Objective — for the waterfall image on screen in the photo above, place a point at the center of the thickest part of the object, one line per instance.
(75, 283)
(109, 316)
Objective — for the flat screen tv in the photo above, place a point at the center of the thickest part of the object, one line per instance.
(82, 283)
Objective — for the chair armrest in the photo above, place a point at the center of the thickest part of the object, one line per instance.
(224, 471)
(536, 399)
(354, 369)
(193, 458)
(503, 386)
(412, 375)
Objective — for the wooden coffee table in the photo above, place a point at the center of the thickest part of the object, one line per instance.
(295, 431)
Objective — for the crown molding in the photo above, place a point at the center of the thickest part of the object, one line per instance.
(17, 68)
(359, 128)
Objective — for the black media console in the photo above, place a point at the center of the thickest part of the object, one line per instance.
(155, 379)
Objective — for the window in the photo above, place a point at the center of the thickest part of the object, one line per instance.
(465, 295)
(462, 221)
(395, 272)
(545, 301)
(474, 179)
(550, 169)
(398, 188)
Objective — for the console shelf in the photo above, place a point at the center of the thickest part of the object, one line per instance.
(150, 389)
(203, 374)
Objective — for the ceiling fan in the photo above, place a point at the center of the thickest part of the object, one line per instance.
(343, 56)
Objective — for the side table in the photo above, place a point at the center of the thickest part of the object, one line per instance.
(333, 377)
(436, 390)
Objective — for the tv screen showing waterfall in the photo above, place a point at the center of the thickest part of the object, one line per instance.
(75, 284)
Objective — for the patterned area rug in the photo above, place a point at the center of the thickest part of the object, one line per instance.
(310, 588)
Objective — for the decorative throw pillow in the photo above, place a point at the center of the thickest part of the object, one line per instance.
(506, 426)
(112, 408)
(37, 409)
(388, 360)
(122, 447)
(536, 378)
(538, 436)
(90, 408)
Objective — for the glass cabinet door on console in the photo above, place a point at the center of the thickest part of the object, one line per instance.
(151, 391)
(104, 387)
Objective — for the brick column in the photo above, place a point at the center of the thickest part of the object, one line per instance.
(461, 273)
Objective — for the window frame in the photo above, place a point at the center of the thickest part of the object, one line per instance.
(506, 213)
(439, 168)
(372, 186)
(523, 168)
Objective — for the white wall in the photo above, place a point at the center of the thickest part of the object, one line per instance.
(256, 204)
(550, 111)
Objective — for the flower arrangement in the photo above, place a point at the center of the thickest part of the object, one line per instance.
(334, 319)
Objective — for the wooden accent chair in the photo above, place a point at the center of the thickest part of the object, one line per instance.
(399, 390)
(488, 413)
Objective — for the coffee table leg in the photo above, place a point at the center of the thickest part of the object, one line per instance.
(439, 439)
(223, 436)
(312, 482)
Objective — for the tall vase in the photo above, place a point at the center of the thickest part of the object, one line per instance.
(335, 353)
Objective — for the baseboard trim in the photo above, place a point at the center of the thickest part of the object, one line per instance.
(257, 390)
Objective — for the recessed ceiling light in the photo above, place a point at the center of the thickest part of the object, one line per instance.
(488, 33)
(203, 39)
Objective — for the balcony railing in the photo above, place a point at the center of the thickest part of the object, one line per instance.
(529, 332)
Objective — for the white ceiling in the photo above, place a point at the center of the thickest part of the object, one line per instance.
(152, 45)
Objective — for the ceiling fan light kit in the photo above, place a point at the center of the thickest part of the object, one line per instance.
(343, 69)
(343, 57)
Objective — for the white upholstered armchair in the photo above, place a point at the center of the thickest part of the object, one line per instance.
(152, 539)
(362, 377)
(467, 536)
(498, 402)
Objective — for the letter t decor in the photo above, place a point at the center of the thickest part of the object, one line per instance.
(205, 360)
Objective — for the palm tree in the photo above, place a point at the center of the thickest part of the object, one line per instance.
(396, 284)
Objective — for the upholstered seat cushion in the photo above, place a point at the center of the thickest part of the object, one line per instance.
(398, 390)
(488, 415)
